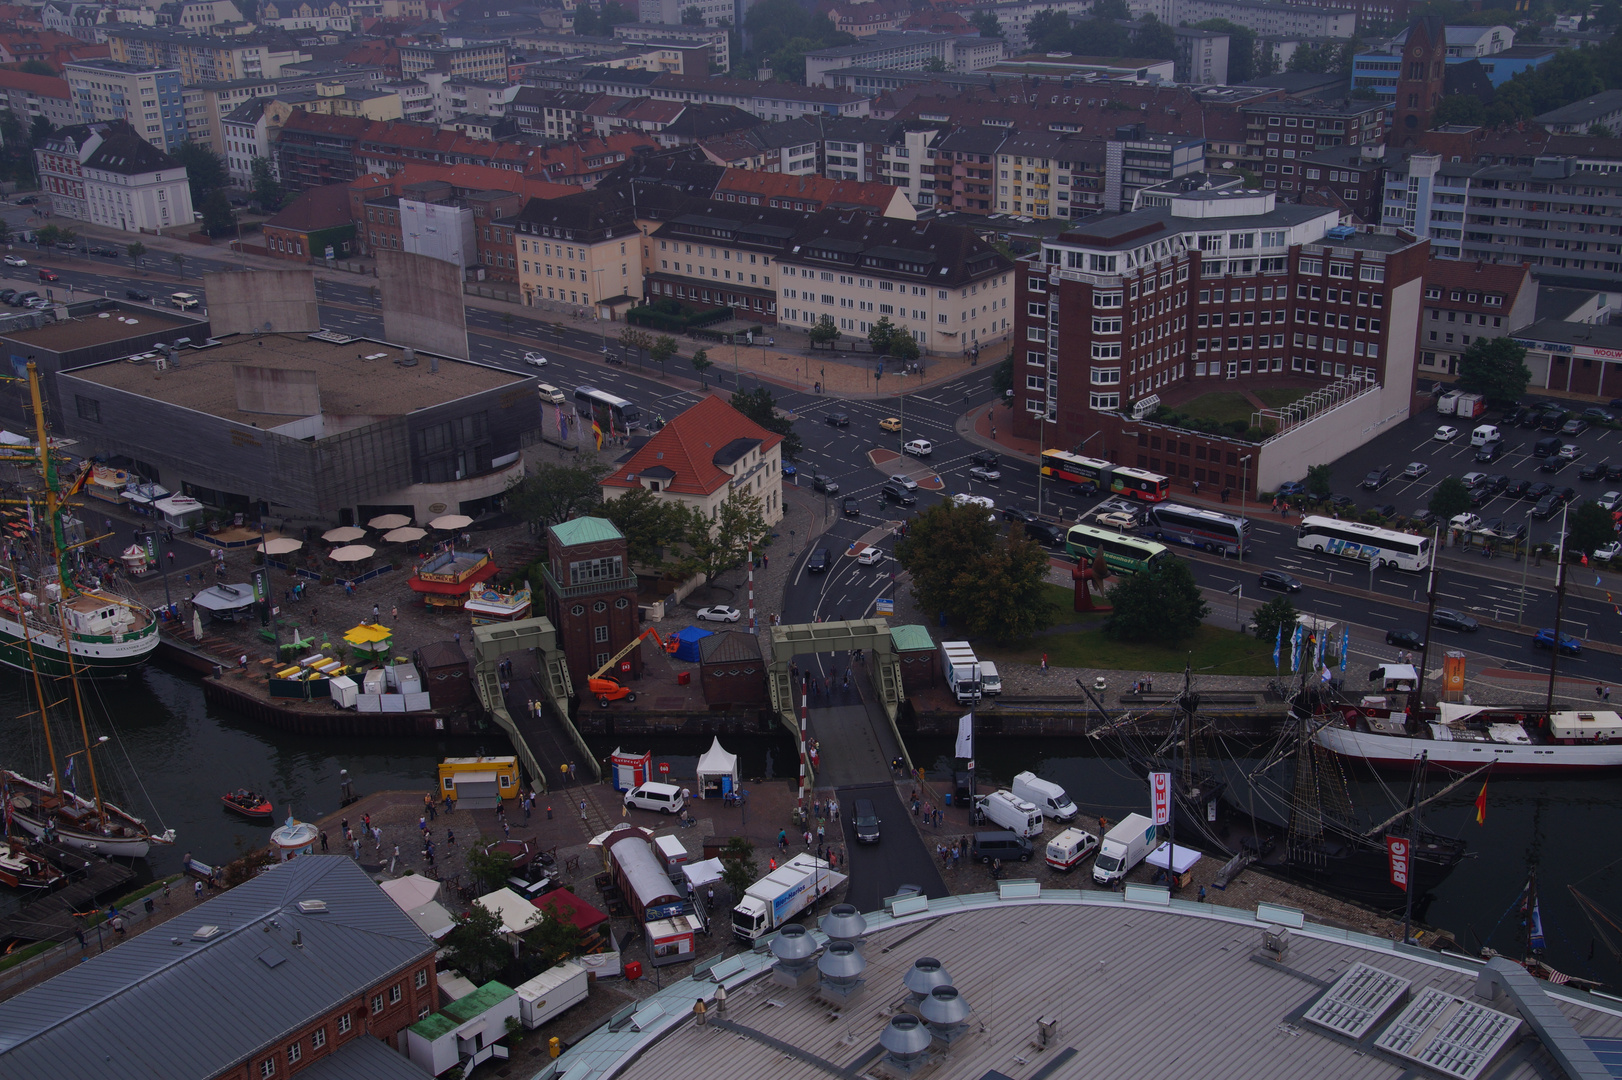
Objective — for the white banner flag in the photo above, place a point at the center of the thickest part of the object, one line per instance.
(965, 736)
(1160, 796)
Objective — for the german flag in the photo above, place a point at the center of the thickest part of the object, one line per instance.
(80, 480)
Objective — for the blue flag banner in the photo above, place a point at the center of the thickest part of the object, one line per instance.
(1278, 644)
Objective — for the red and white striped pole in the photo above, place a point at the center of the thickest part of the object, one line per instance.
(804, 759)
(751, 586)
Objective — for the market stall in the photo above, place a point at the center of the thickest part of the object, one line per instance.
(717, 773)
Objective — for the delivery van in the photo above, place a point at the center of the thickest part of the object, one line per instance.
(1004, 808)
(1049, 797)
(550, 393)
(1002, 845)
(1484, 433)
(1067, 850)
(1123, 848)
(665, 798)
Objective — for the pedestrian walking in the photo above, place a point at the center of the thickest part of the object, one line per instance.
(118, 925)
(450, 838)
(582, 810)
(323, 851)
(782, 839)
(197, 890)
(808, 839)
(422, 823)
(506, 831)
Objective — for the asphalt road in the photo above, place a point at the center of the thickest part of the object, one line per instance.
(899, 858)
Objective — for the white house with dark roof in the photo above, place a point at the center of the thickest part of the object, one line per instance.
(118, 179)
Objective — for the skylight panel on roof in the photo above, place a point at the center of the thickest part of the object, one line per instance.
(1359, 998)
(1449, 1034)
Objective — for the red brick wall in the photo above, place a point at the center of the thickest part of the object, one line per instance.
(287, 244)
(577, 631)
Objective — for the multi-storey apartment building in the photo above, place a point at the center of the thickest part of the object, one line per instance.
(716, 38)
(905, 51)
(1300, 20)
(1467, 301)
(148, 98)
(28, 96)
(1220, 289)
(203, 58)
(1277, 133)
(483, 60)
(767, 100)
(580, 249)
(1559, 212)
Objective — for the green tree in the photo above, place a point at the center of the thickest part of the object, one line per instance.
(878, 335)
(67, 236)
(1598, 131)
(663, 349)
(205, 170)
(267, 190)
(476, 944)
(824, 332)
(650, 524)
(1002, 378)
(738, 868)
(39, 67)
(1314, 58)
(488, 868)
(986, 22)
(944, 551)
(550, 494)
(1460, 109)
(1591, 528)
(780, 32)
(1047, 27)
(1160, 607)
(693, 16)
(702, 363)
(1010, 605)
(903, 347)
(47, 235)
(555, 938)
(640, 340)
(722, 544)
(1277, 612)
(1111, 9)
(39, 129)
(1496, 369)
(1318, 483)
(935, 63)
(1450, 497)
(760, 406)
(1155, 39)
(218, 219)
(180, 264)
(135, 251)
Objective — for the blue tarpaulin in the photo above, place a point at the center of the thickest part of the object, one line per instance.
(689, 638)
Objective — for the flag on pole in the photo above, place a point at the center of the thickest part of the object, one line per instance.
(1481, 805)
(597, 430)
(965, 736)
(1278, 645)
(68, 776)
(1345, 645)
(1295, 650)
(1534, 928)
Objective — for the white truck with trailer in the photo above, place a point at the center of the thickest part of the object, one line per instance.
(1003, 807)
(1124, 847)
(961, 670)
(782, 894)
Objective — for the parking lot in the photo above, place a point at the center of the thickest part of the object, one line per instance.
(1414, 441)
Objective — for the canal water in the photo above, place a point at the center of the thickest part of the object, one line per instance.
(170, 756)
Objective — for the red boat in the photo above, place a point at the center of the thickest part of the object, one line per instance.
(247, 804)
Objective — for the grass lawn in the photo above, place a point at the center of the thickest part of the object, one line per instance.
(1212, 650)
(1225, 405)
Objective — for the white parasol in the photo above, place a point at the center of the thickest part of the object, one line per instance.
(352, 553)
(388, 521)
(405, 535)
(344, 534)
(451, 521)
(281, 545)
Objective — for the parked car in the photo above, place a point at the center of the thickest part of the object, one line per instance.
(1278, 579)
(1517, 488)
(1491, 450)
(899, 495)
(1446, 433)
(1342, 503)
(1531, 418)
(1377, 478)
(1291, 488)
(1466, 522)
(1416, 470)
(980, 472)
(15, 260)
(1537, 491)
(22, 298)
(1496, 483)
(921, 448)
(1598, 415)
(1607, 551)
(852, 507)
(989, 458)
(838, 419)
(1546, 507)
(890, 423)
(825, 484)
(1386, 510)
(1045, 532)
(904, 480)
(1405, 639)
(1594, 471)
(1473, 480)
(6, 295)
(818, 561)
(1544, 639)
(1553, 420)
(1014, 513)
(1569, 452)
(1448, 619)
(1116, 520)
(1574, 427)
(1608, 501)
(719, 613)
(137, 294)
(1614, 472)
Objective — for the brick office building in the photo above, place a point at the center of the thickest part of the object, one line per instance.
(308, 964)
(1466, 301)
(1221, 290)
(591, 596)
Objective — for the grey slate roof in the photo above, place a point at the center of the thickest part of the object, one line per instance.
(128, 154)
(1588, 109)
(363, 1059)
(151, 1008)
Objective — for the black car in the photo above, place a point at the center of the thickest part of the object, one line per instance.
(1385, 510)
(1278, 579)
(1342, 502)
(1405, 639)
(899, 495)
(1045, 532)
(851, 506)
(1614, 472)
(838, 419)
(1595, 471)
(1377, 479)
(1087, 489)
(818, 562)
(1564, 494)
(137, 294)
(1546, 507)
(6, 295)
(111, 253)
(1517, 489)
(989, 458)
(1496, 483)
(1480, 495)
(1491, 450)
(1597, 414)
(1448, 619)
(1537, 492)
(864, 822)
(825, 484)
(28, 200)
(1553, 420)
(1531, 418)
(1515, 415)
(1014, 513)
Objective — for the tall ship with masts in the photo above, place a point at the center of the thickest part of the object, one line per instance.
(50, 608)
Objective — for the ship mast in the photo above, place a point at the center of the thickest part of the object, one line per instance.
(53, 508)
(33, 670)
(78, 705)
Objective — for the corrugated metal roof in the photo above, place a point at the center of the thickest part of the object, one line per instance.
(911, 638)
(586, 530)
(363, 1059)
(152, 1007)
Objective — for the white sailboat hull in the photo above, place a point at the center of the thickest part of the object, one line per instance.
(91, 843)
(1404, 751)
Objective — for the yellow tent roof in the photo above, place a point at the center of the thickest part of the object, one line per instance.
(368, 634)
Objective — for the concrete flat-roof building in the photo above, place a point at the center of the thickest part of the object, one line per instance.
(1066, 984)
(316, 427)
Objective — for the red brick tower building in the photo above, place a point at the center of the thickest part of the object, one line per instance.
(1419, 85)
(591, 596)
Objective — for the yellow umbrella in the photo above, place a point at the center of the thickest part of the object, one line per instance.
(405, 535)
(343, 535)
(281, 545)
(352, 553)
(388, 521)
(451, 521)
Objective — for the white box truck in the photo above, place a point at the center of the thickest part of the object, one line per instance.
(1470, 406)
(1004, 808)
(782, 894)
(1049, 797)
(961, 671)
(549, 993)
(1124, 847)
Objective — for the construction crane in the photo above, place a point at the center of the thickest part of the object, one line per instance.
(609, 689)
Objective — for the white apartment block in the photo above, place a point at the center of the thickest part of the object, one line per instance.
(1264, 18)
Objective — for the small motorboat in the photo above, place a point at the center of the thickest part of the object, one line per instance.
(23, 869)
(246, 803)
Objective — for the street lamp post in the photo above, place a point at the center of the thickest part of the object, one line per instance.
(1520, 610)
(602, 330)
(1244, 483)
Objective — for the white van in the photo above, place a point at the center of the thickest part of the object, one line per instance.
(1047, 796)
(1011, 812)
(1069, 848)
(1484, 433)
(665, 798)
(991, 686)
(550, 393)
(185, 301)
